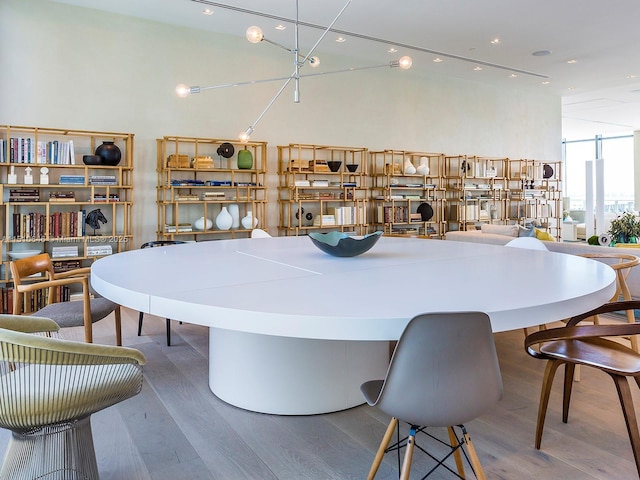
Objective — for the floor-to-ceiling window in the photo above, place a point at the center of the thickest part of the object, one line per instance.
(617, 155)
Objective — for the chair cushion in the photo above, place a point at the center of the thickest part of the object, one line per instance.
(70, 314)
(39, 394)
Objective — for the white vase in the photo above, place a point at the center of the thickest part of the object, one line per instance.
(409, 169)
(202, 224)
(224, 220)
(235, 215)
(249, 221)
(423, 168)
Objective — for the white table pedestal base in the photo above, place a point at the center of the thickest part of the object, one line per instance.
(292, 376)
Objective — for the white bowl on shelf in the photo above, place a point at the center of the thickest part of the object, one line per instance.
(16, 254)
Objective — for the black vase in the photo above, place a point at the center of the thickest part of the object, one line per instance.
(110, 154)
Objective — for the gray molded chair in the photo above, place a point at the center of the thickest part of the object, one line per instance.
(158, 243)
(590, 346)
(65, 314)
(50, 388)
(443, 373)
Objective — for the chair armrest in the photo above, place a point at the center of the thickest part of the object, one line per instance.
(80, 353)
(28, 324)
(29, 287)
(577, 333)
(76, 272)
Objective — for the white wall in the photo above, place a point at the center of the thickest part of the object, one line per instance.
(68, 67)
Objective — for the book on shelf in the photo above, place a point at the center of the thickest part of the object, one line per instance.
(71, 180)
(324, 220)
(95, 250)
(24, 195)
(102, 180)
(102, 197)
(182, 227)
(66, 196)
(64, 251)
(65, 265)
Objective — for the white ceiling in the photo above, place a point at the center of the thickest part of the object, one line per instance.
(600, 91)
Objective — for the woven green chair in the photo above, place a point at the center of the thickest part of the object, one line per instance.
(48, 390)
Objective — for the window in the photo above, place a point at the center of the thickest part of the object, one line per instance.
(617, 153)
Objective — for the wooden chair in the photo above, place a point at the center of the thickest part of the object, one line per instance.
(574, 345)
(50, 388)
(622, 264)
(154, 244)
(429, 384)
(65, 314)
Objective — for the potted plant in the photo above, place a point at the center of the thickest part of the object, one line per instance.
(625, 228)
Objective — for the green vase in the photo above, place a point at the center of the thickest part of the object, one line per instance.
(245, 159)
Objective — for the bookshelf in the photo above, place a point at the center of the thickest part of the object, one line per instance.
(200, 180)
(49, 194)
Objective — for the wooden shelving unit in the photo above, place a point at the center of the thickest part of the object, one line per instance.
(322, 188)
(535, 194)
(407, 193)
(199, 177)
(48, 193)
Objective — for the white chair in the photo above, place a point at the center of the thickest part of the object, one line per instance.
(259, 233)
(530, 243)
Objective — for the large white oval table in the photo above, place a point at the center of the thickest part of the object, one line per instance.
(296, 331)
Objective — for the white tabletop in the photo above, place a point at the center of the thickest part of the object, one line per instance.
(285, 286)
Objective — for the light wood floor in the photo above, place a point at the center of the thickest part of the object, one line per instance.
(176, 428)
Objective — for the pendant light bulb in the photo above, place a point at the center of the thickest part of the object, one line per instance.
(405, 62)
(314, 62)
(254, 34)
(244, 136)
(183, 90)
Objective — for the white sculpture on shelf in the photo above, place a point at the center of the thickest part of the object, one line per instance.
(28, 178)
(423, 168)
(409, 169)
(44, 176)
(12, 178)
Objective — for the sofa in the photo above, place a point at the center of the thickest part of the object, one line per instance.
(490, 236)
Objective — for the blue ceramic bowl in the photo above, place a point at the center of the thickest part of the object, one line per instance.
(340, 244)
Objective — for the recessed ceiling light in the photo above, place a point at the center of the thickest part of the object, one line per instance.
(546, 82)
(477, 69)
(437, 60)
(541, 53)
(572, 61)
(513, 75)
(392, 50)
(341, 39)
(571, 88)
(207, 11)
(281, 27)
(495, 41)
(631, 76)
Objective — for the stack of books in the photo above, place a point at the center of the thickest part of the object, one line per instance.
(24, 195)
(96, 250)
(183, 227)
(71, 180)
(102, 180)
(65, 251)
(102, 197)
(67, 196)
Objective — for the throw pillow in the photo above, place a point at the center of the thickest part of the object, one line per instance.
(508, 230)
(526, 232)
(544, 236)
